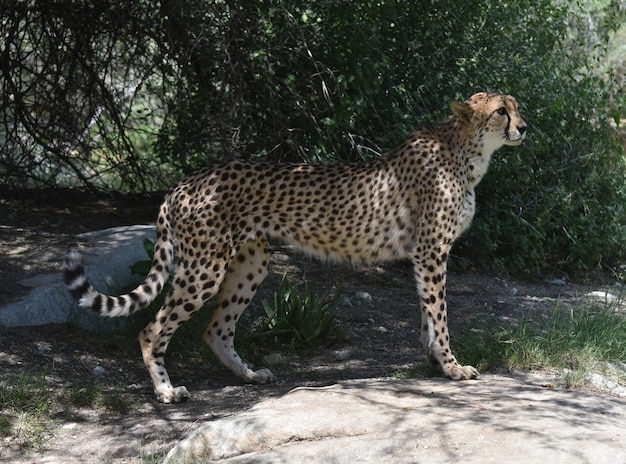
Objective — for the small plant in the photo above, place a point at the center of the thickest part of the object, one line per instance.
(298, 316)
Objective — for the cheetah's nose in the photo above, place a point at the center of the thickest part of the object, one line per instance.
(522, 129)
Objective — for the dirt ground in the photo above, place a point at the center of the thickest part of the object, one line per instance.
(37, 228)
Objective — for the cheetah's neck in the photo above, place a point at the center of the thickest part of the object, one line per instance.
(478, 153)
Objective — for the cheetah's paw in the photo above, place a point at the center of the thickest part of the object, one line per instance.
(458, 372)
(173, 395)
(263, 376)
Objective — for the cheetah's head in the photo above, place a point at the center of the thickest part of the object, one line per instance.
(494, 118)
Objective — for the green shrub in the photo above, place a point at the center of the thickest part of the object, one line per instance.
(328, 81)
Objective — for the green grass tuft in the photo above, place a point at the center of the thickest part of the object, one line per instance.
(26, 404)
(576, 340)
(26, 393)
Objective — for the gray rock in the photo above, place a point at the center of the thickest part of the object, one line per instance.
(107, 266)
(364, 296)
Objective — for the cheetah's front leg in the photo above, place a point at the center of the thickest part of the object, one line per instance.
(431, 276)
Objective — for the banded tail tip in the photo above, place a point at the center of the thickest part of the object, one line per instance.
(74, 274)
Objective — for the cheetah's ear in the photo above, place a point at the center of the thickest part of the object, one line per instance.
(462, 111)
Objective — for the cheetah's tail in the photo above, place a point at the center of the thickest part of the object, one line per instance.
(123, 305)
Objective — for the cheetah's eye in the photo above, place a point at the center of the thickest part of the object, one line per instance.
(501, 111)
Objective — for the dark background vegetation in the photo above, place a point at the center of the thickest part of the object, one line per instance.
(129, 96)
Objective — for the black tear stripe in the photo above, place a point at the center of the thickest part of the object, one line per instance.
(508, 126)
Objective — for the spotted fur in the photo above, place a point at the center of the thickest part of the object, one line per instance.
(212, 230)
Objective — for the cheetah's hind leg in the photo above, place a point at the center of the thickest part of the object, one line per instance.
(246, 272)
(155, 338)
(182, 302)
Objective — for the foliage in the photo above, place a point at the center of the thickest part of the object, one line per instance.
(80, 94)
(559, 202)
(297, 317)
(120, 95)
(142, 267)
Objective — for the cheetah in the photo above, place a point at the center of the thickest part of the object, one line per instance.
(213, 227)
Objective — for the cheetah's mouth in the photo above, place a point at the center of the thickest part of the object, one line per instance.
(513, 140)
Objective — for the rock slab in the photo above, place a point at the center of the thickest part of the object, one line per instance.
(492, 420)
